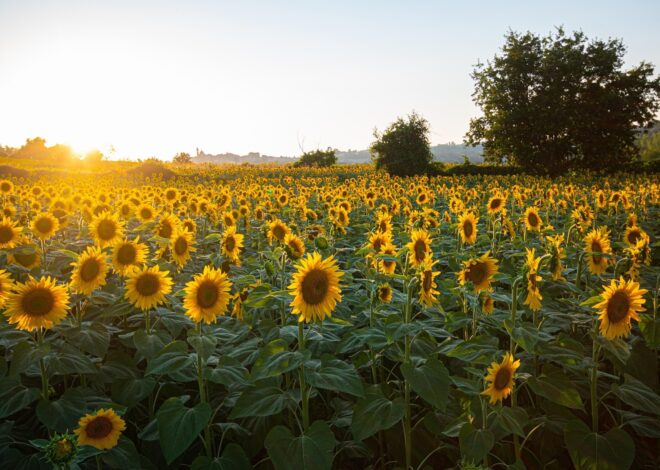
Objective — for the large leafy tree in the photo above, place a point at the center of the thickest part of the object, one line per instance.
(561, 101)
(403, 149)
(317, 158)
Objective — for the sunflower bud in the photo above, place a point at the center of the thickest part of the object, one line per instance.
(61, 449)
(270, 270)
(321, 242)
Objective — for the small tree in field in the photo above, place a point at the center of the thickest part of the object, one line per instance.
(403, 149)
(318, 158)
(182, 158)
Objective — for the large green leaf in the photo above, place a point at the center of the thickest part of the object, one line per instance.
(590, 451)
(123, 455)
(150, 344)
(69, 362)
(63, 413)
(556, 387)
(430, 381)
(15, 397)
(92, 338)
(650, 330)
(311, 450)
(333, 374)
(374, 413)
(179, 426)
(204, 345)
(229, 372)
(639, 396)
(232, 458)
(262, 401)
(171, 358)
(275, 359)
(131, 391)
(475, 443)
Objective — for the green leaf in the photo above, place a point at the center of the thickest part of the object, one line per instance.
(650, 328)
(179, 426)
(204, 345)
(149, 345)
(123, 455)
(590, 451)
(430, 381)
(64, 413)
(171, 358)
(311, 450)
(374, 413)
(65, 363)
(92, 338)
(275, 359)
(15, 397)
(131, 391)
(556, 387)
(639, 396)
(229, 372)
(24, 355)
(334, 374)
(232, 458)
(513, 420)
(263, 401)
(475, 443)
(477, 350)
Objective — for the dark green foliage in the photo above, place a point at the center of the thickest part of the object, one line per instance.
(182, 158)
(561, 102)
(404, 148)
(317, 158)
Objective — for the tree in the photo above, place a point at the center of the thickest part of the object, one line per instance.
(559, 102)
(34, 149)
(403, 149)
(317, 158)
(182, 158)
(649, 147)
(94, 156)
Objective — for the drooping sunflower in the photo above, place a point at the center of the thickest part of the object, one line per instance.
(597, 242)
(428, 292)
(500, 378)
(147, 287)
(534, 297)
(25, 254)
(379, 239)
(487, 303)
(479, 272)
(127, 255)
(6, 286)
(106, 229)
(315, 288)
(387, 266)
(532, 219)
(10, 234)
(100, 429)
(385, 293)
(89, 271)
(37, 304)
(45, 225)
(207, 295)
(277, 230)
(231, 245)
(467, 227)
(182, 246)
(633, 234)
(419, 247)
(294, 245)
(496, 204)
(557, 253)
(622, 301)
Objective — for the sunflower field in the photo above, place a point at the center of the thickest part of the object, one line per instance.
(287, 318)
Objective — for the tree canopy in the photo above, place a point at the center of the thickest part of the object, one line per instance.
(561, 101)
(318, 158)
(182, 158)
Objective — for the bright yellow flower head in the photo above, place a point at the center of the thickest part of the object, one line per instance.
(100, 429)
(622, 301)
(315, 288)
(37, 304)
(500, 378)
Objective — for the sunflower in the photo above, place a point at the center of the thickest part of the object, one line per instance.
(147, 287)
(487, 304)
(37, 304)
(633, 234)
(479, 272)
(419, 247)
(127, 255)
(500, 378)
(145, 213)
(182, 245)
(532, 219)
(557, 254)
(45, 225)
(277, 230)
(379, 239)
(427, 294)
(6, 186)
(89, 271)
(385, 293)
(534, 297)
(25, 254)
(167, 226)
(496, 204)
(6, 286)
(106, 229)
(387, 266)
(622, 301)
(231, 245)
(100, 429)
(467, 227)
(10, 234)
(295, 247)
(207, 295)
(315, 287)
(597, 243)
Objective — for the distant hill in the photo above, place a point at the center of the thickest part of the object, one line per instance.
(447, 153)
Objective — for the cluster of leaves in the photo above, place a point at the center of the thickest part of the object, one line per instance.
(317, 158)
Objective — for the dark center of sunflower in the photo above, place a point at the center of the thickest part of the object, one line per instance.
(383, 225)
(170, 195)
(533, 219)
(165, 230)
(6, 234)
(420, 250)
(427, 280)
(180, 246)
(596, 248)
(89, 270)
(106, 230)
(44, 225)
(126, 254)
(230, 243)
(145, 214)
(476, 273)
(26, 259)
(5, 187)
(207, 294)
(502, 378)
(98, 428)
(378, 242)
(633, 236)
(315, 286)
(467, 228)
(495, 203)
(278, 231)
(147, 284)
(384, 293)
(617, 307)
(38, 302)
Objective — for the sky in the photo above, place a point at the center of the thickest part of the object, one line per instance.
(276, 77)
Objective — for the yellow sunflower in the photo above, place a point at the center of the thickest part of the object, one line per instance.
(147, 287)
(496, 204)
(25, 254)
(378, 239)
(532, 219)
(182, 245)
(315, 287)
(145, 213)
(37, 304)
(597, 243)
(277, 230)
(89, 271)
(534, 297)
(427, 293)
(6, 286)
(487, 303)
(633, 234)
(500, 378)
(419, 247)
(387, 266)
(295, 247)
(127, 255)
(385, 293)
(207, 295)
(622, 301)
(45, 225)
(479, 272)
(467, 227)
(231, 245)
(100, 429)
(106, 229)
(10, 234)
(557, 253)
(167, 226)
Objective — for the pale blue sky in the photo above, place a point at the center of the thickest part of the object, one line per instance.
(155, 78)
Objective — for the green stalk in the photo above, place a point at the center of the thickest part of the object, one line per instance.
(202, 395)
(42, 366)
(407, 422)
(579, 270)
(147, 321)
(594, 382)
(303, 385)
(514, 311)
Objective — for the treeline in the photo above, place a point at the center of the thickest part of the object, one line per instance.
(36, 149)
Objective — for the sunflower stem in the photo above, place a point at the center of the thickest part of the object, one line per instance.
(579, 269)
(303, 385)
(594, 381)
(407, 423)
(42, 365)
(202, 394)
(514, 310)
